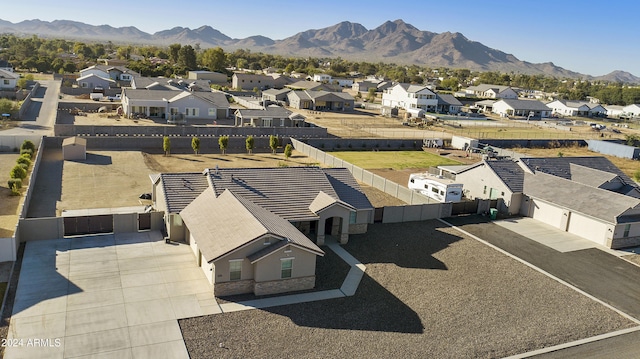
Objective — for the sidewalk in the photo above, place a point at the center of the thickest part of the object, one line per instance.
(348, 288)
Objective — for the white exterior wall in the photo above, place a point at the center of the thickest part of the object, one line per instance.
(501, 108)
(397, 96)
(634, 230)
(508, 93)
(547, 213)
(475, 181)
(633, 110)
(207, 269)
(588, 228)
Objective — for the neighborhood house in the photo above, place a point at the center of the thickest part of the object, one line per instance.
(252, 230)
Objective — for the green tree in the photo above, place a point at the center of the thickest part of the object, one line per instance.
(249, 143)
(273, 143)
(223, 142)
(288, 149)
(187, 57)
(371, 94)
(166, 146)
(195, 144)
(214, 59)
(174, 52)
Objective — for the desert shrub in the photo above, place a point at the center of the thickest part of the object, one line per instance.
(14, 183)
(24, 160)
(18, 172)
(26, 151)
(28, 145)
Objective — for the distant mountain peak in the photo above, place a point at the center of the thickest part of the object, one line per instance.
(392, 41)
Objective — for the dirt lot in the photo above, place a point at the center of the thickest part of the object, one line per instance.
(117, 178)
(427, 292)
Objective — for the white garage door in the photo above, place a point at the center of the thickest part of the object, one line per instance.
(588, 228)
(547, 213)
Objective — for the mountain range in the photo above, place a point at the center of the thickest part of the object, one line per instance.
(393, 41)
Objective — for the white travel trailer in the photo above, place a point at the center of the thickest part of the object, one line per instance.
(436, 187)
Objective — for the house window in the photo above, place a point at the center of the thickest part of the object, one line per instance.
(212, 112)
(267, 122)
(286, 264)
(282, 122)
(352, 217)
(627, 227)
(484, 191)
(177, 221)
(235, 269)
(6, 82)
(192, 111)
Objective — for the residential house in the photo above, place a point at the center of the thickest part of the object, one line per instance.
(249, 228)
(214, 78)
(586, 196)
(246, 81)
(576, 108)
(632, 110)
(275, 95)
(8, 80)
(342, 81)
(448, 104)
(492, 91)
(364, 86)
(164, 83)
(91, 81)
(6, 66)
(615, 111)
(409, 96)
(313, 86)
(321, 100)
(116, 73)
(485, 106)
(521, 108)
(175, 105)
(271, 116)
(322, 78)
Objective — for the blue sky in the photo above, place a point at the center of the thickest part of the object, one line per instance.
(590, 37)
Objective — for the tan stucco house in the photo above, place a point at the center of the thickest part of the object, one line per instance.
(252, 230)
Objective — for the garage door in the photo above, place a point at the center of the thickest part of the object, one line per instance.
(547, 213)
(588, 228)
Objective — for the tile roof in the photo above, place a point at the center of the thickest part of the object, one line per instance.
(180, 189)
(346, 187)
(591, 201)
(285, 191)
(226, 222)
(509, 172)
(323, 201)
(590, 176)
(561, 166)
(4, 74)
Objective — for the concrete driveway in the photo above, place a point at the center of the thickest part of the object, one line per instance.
(109, 295)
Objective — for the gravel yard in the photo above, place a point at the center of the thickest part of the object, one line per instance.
(427, 292)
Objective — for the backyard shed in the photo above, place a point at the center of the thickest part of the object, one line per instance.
(74, 148)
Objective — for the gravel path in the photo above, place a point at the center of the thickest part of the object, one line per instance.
(427, 292)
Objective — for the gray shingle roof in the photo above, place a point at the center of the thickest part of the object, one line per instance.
(590, 176)
(533, 105)
(448, 99)
(224, 223)
(271, 111)
(594, 202)
(323, 201)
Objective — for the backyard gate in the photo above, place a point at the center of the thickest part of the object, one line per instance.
(465, 207)
(74, 226)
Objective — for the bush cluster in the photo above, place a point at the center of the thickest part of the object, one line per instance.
(19, 171)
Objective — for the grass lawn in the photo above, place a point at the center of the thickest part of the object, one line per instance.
(393, 159)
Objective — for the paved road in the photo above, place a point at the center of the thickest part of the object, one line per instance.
(41, 114)
(602, 275)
